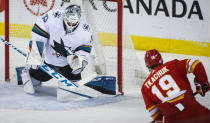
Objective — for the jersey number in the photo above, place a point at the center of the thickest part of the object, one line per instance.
(167, 84)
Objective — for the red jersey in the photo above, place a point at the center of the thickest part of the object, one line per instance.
(169, 83)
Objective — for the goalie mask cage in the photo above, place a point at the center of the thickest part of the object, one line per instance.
(113, 50)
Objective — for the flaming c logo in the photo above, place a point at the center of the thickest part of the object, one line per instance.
(39, 7)
(2, 5)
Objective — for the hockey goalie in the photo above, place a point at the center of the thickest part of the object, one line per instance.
(61, 39)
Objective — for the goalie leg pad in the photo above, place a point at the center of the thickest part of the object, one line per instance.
(29, 82)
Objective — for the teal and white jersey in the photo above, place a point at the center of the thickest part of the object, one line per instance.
(51, 30)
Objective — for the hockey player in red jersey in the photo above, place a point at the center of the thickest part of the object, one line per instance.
(167, 92)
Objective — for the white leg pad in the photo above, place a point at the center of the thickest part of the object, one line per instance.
(27, 82)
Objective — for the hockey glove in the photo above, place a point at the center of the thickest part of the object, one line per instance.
(77, 63)
(202, 89)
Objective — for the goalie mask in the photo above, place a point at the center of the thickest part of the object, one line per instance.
(72, 17)
(153, 58)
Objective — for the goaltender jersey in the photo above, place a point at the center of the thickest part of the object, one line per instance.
(51, 30)
(167, 92)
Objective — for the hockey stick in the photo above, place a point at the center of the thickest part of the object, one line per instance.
(195, 93)
(52, 72)
(13, 47)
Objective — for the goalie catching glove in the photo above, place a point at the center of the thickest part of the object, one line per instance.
(76, 62)
(201, 89)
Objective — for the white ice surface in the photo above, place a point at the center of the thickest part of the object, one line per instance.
(18, 107)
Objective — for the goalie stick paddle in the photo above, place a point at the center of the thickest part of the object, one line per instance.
(52, 72)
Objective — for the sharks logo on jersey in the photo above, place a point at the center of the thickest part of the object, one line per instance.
(60, 48)
(86, 27)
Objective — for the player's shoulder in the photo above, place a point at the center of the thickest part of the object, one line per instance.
(51, 16)
(174, 61)
(56, 13)
(85, 26)
(144, 87)
(177, 62)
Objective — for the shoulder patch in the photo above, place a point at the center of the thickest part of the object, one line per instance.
(57, 14)
(86, 27)
(45, 18)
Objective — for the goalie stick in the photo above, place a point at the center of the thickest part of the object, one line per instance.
(53, 73)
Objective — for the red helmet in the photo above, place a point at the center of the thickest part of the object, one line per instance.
(153, 58)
